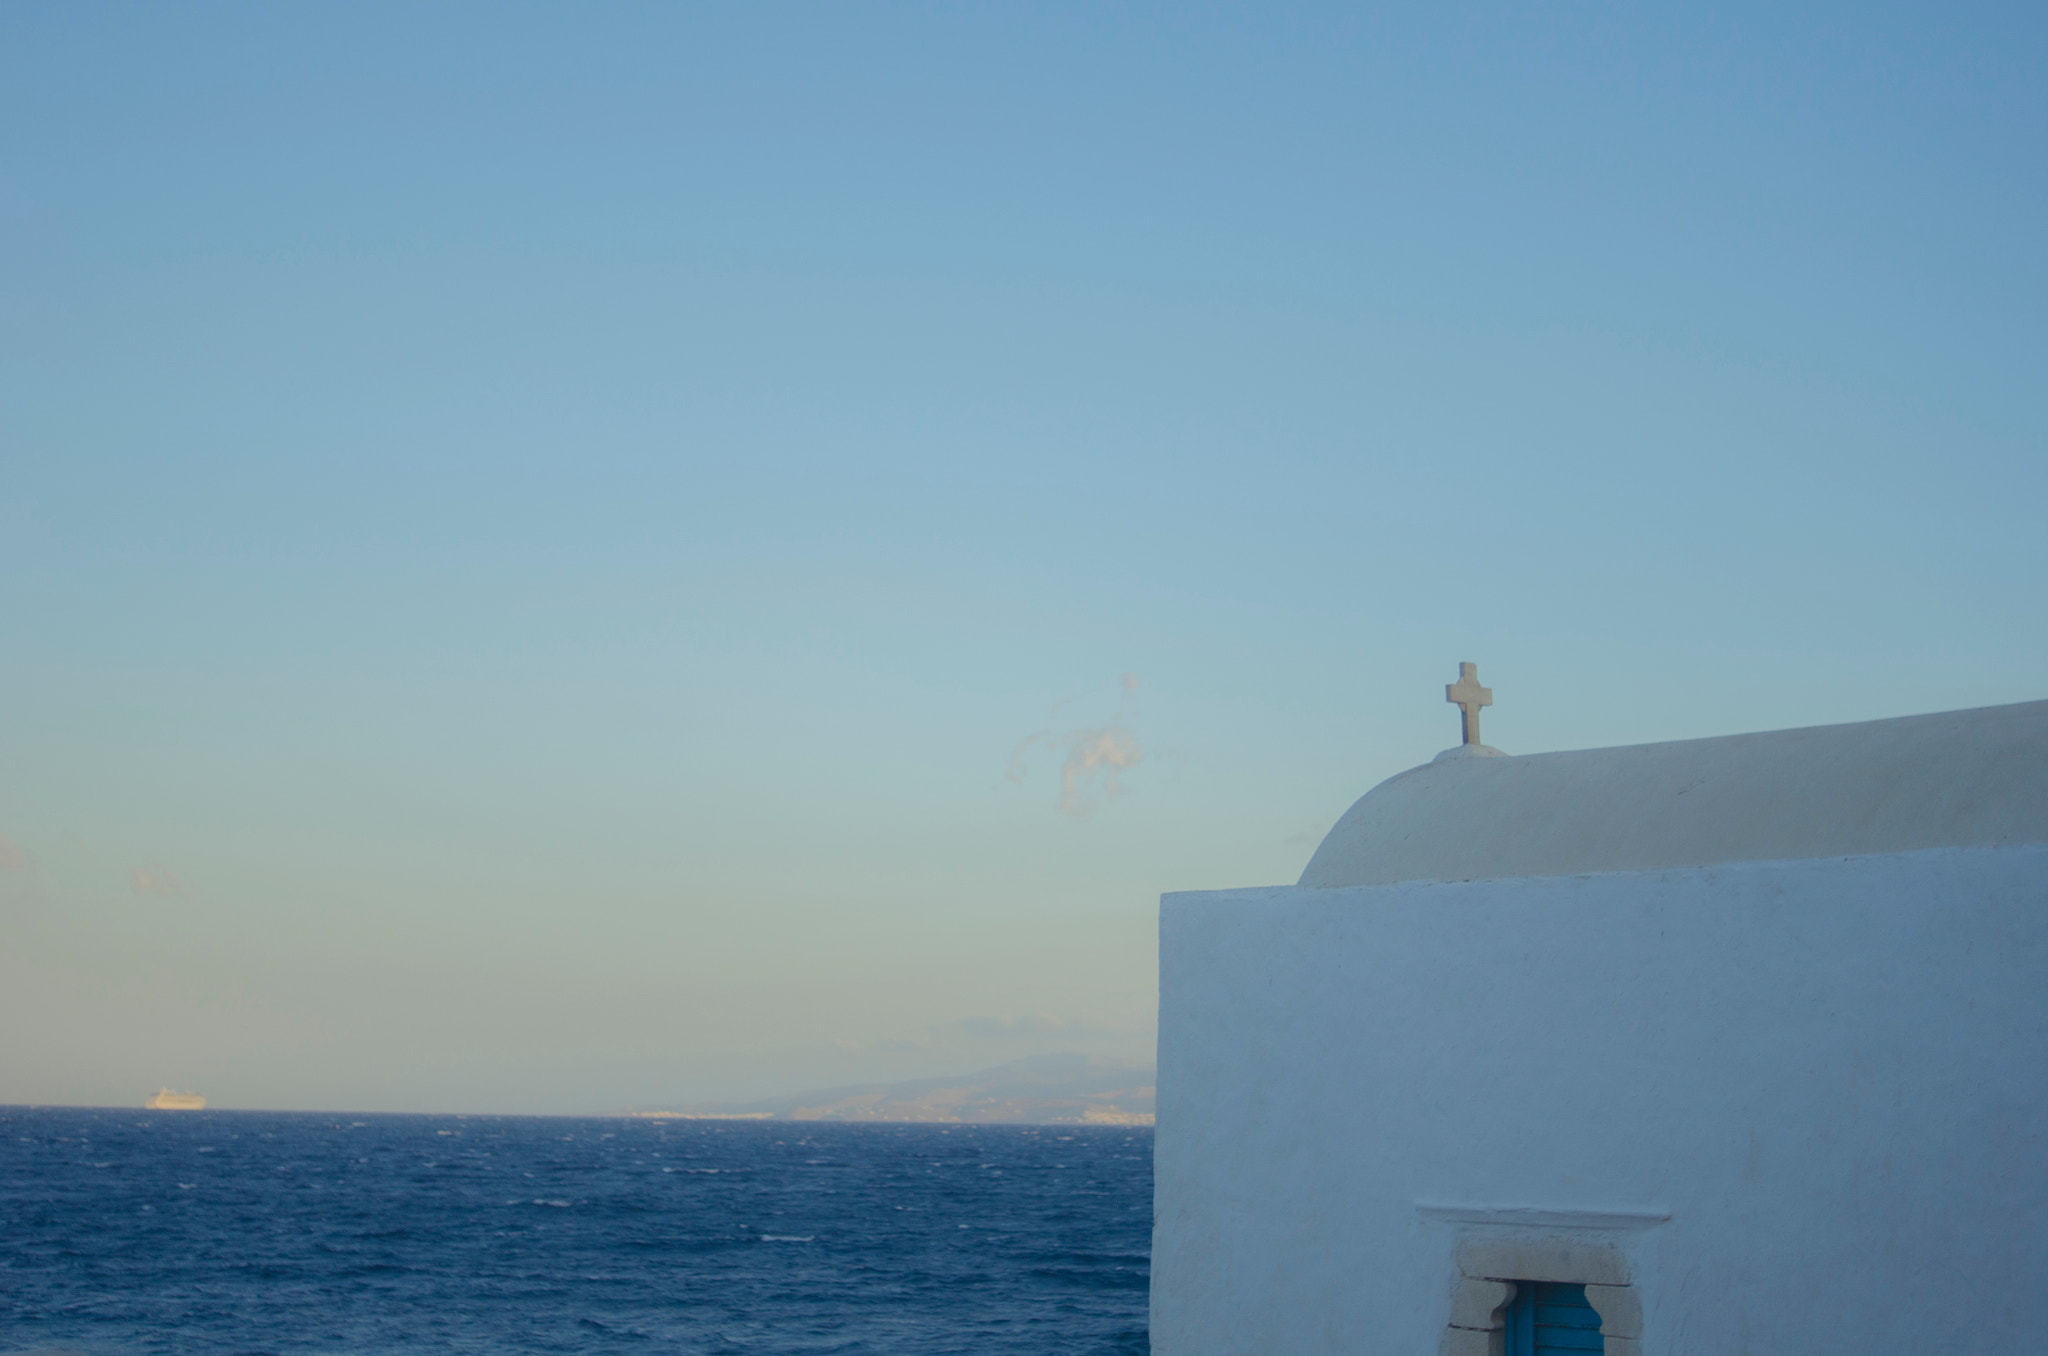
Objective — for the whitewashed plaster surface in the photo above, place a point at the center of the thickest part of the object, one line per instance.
(1949, 779)
(1831, 1075)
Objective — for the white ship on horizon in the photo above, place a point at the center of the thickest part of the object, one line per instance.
(166, 1100)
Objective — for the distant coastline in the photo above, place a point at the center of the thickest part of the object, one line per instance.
(1068, 1089)
(1090, 1116)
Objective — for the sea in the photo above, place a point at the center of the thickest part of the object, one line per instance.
(235, 1233)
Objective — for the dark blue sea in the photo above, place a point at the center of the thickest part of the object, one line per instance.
(244, 1232)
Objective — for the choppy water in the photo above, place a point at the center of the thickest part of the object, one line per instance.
(241, 1232)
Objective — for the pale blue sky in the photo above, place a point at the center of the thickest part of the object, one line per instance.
(529, 536)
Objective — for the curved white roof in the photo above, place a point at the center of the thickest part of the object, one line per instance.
(1954, 779)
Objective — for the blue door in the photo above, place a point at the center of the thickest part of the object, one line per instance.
(1551, 1318)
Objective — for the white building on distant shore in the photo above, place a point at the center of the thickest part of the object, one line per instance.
(1722, 1046)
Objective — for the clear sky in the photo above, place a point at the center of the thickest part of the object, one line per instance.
(554, 558)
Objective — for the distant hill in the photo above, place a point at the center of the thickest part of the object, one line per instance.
(1042, 1090)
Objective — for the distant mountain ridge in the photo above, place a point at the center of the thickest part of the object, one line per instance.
(1066, 1089)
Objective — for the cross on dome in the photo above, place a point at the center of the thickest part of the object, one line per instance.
(1468, 697)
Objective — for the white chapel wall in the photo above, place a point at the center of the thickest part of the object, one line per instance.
(1830, 1075)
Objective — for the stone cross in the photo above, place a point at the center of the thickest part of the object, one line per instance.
(1468, 696)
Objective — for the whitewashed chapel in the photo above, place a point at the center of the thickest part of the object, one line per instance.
(1723, 1046)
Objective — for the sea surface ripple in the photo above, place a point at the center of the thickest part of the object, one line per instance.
(250, 1232)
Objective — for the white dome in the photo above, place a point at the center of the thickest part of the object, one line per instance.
(1953, 779)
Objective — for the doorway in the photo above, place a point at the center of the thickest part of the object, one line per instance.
(1546, 1317)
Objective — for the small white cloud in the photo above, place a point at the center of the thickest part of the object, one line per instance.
(961, 1037)
(155, 880)
(1031, 1026)
(1003, 1028)
(881, 1045)
(1098, 755)
(1109, 750)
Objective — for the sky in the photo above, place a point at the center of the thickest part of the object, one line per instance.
(556, 558)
